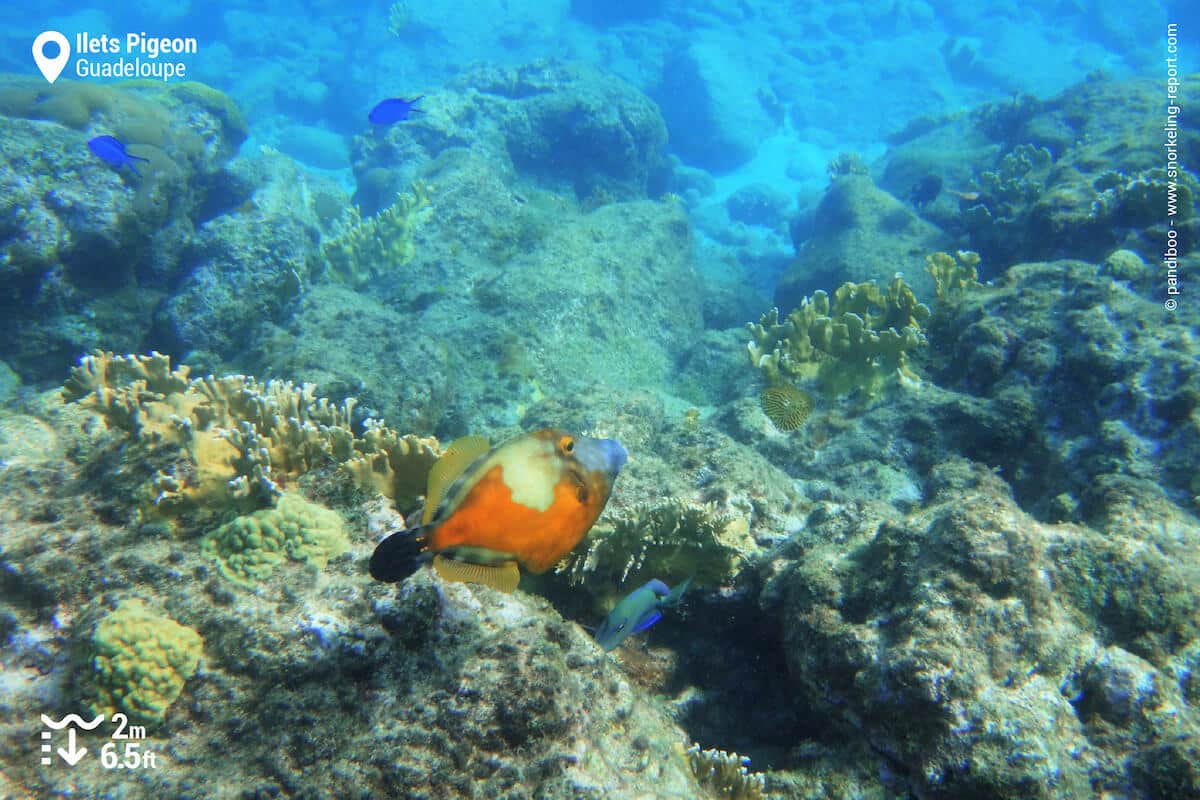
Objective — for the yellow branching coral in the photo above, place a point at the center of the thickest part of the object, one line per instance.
(240, 440)
(670, 541)
(727, 774)
(141, 661)
(248, 548)
(953, 275)
(369, 247)
(857, 342)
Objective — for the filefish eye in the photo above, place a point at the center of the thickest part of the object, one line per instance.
(566, 444)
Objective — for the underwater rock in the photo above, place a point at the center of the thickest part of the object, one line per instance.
(536, 296)
(759, 204)
(567, 127)
(862, 233)
(714, 122)
(1057, 336)
(1077, 175)
(246, 268)
(945, 639)
(89, 251)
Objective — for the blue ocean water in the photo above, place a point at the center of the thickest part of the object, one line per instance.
(869, 328)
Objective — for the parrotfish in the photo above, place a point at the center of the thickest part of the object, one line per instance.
(637, 612)
(395, 109)
(110, 150)
(491, 511)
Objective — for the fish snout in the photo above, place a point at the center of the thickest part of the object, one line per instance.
(604, 455)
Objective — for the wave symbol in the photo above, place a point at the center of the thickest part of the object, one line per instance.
(72, 719)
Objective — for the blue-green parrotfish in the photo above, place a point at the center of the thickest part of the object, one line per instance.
(637, 612)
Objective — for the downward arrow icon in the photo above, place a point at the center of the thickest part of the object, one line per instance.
(71, 755)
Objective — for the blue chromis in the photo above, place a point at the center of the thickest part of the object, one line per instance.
(394, 109)
(112, 152)
(637, 612)
(489, 510)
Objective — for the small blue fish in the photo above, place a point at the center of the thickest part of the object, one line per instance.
(112, 152)
(395, 109)
(637, 612)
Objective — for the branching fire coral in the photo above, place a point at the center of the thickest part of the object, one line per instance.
(954, 274)
(239, 440)
(859, 341)
(368, 247)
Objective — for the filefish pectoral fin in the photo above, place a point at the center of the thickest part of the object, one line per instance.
(503, 577)
(648, 620)
(452, 463)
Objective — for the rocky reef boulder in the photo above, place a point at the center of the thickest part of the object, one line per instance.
(714, 121)
(88, 250)
(536, 295)
(1078, 175)
(860, 233)
(971, 645)
(565, 127)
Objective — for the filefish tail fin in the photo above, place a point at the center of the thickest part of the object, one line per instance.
(502, 577)
(398, 556)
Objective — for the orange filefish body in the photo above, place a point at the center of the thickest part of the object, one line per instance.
(488, 511)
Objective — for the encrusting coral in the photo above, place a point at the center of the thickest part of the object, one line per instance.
(857, 342)
(240, 441)
(371, 246)
(141, 661)
(248, 548)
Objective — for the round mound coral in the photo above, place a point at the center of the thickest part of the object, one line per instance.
(786, 406)
(141, 661)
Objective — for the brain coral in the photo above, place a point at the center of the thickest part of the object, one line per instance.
(248, 548)
(142, 661)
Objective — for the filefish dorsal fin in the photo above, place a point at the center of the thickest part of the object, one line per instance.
(503, 577)
(450, 465)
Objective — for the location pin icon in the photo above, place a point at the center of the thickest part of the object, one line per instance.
(51, 67)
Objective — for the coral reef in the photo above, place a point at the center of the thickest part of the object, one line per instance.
(1077, 175)
(141, 660)
(238, 441)
(87, 253)
(248, 548)
(857, 343)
